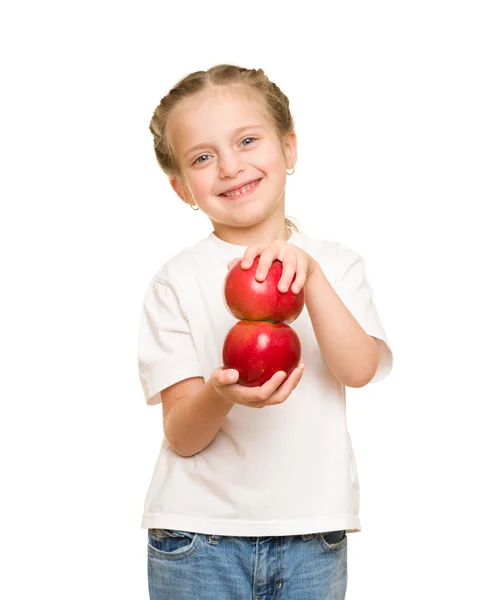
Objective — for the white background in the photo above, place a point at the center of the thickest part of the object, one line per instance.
(385, 96)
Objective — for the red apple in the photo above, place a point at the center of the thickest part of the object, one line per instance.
(258, 349)
(247, 298)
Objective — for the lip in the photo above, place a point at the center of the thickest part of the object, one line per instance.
(238, 187)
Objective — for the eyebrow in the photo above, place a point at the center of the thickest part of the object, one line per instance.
(235, 131)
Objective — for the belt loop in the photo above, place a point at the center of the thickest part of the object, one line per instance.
(214, 539)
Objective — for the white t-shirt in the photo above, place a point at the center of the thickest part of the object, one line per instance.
(286, 469)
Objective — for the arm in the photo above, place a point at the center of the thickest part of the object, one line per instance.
(192, 421)
(350, 353)
(193, 411)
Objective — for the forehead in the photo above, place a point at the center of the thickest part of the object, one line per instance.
(215, 112)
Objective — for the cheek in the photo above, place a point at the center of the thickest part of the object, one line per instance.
(274, 160)
(201, 185)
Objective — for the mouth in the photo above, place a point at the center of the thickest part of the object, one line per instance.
(244, 191)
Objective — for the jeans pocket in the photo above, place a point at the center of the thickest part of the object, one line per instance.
(334, 539)
(171, 542)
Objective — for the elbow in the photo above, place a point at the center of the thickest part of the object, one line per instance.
(362, 379)
(183, 450)
(368, 372)
(185, 454)
(179, 449)
(357, 383)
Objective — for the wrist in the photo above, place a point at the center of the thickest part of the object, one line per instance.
(219, 396)
(313, 269)
(314, 284)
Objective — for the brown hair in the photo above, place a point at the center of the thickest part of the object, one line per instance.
(276, 103)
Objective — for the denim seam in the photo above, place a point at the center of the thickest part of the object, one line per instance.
(275, 585)
(280, 581)
(255, 569)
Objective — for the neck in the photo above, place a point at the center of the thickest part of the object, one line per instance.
(261, 233)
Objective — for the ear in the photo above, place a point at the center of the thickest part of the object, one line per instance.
(290, 149)
(177, 186)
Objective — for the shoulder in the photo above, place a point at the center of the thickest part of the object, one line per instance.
(181, 266)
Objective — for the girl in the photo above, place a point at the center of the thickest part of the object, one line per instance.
(244, 503)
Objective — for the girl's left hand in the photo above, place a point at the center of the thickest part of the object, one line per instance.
(296, 262)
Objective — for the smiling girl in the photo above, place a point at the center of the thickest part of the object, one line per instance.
(247, 503)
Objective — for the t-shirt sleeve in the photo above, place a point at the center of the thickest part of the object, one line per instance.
(166, 351)
(357, 295)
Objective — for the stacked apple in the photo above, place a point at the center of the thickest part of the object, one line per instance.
(262, 342)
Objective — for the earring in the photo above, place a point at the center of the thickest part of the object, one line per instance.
(293, 171)
(193, 207)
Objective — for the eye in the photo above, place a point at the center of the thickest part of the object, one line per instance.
(249, 138)
(198, 159)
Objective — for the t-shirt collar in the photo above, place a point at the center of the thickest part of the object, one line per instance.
(238, 248)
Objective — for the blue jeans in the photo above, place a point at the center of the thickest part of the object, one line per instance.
(184, 565)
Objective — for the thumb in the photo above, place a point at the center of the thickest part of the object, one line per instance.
(221, 376)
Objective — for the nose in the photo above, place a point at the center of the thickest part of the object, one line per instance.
(230, 164)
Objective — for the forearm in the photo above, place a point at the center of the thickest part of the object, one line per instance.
(193, 422)
(349, 352)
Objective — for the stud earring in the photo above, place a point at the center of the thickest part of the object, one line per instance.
(293, 171)
(193, 207)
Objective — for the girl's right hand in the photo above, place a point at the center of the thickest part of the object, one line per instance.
(274, 391)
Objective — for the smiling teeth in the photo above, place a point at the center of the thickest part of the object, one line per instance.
(241, 191)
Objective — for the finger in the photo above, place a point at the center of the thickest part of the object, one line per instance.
(258, 395)
(224, 376)
(233, 262)
(288, 272)
(300, 278)
(264, 263)
(287, 387)
(251, 253)
(272, 393)
(261, 395)
(264, 391)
